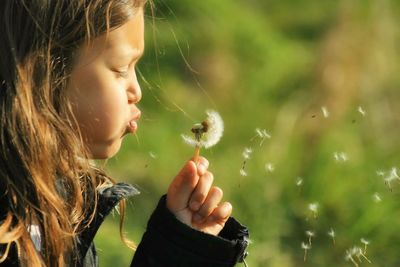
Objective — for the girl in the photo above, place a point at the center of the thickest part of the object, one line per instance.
(68, 94)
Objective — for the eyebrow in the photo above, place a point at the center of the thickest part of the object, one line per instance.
(135, 55)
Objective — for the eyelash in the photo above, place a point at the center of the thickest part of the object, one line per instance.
(123, 74)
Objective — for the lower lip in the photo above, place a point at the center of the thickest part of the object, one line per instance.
(132, 126)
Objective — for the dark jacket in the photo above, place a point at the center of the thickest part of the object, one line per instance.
(166, 243)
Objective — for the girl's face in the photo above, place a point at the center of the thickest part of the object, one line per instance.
(104, 90)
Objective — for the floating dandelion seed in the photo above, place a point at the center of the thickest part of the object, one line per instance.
(310, 235)
(299, 181)
(263, 134)
(361, 110)
(366, 243)
(313, 207)
(242, 172)
(305, 247)
(377, 198)
(349, 256)
(380, 173)
(269, 167)
(332, 234)
(325, 112)
(247, 153)
(152, 155)
(356, 252)
(206, 133)
(393, 175)
(393, 172)
(340, 156)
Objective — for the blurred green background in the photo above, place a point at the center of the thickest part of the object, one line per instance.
(321, 77)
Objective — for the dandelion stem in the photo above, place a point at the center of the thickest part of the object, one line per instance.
(196, 154)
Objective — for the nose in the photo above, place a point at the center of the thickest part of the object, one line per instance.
(134, 92)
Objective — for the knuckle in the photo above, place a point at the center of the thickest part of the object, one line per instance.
(217, 191)
(200, 196)
(205, 162)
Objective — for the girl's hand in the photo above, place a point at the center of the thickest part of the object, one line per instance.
(195, 202)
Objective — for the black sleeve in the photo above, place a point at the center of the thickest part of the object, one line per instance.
(168, 242)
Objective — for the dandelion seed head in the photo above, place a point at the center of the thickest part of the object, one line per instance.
(213, 128)
(191, 141)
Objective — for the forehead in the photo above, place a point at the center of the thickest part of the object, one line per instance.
(129, 37)
(122, 42)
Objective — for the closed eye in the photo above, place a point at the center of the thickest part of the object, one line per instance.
(122, 73)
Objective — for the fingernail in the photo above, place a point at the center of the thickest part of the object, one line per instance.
(194, 205)
(197, 218)
(201, 168)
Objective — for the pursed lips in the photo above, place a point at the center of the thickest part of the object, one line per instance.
(132, 126)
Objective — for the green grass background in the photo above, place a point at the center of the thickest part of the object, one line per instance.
(273, 65)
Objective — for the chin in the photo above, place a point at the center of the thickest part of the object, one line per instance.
(105, 151)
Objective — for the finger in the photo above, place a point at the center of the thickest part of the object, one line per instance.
(202, 166)
(200, 193)
(213, 198)
(220, 214)
(181, 187)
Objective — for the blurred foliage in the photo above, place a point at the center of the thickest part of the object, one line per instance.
(275, 65)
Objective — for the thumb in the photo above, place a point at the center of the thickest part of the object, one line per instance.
(181, 187)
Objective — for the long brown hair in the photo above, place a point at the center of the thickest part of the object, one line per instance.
(45, 177)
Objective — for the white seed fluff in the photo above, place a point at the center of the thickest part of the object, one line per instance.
(313, 207)
(269, 167)
(361, 110)
(325, 112)
(247, 153)
(243, 172)
(331, 233)
(299, 181)
(213, 134)
(377, 198)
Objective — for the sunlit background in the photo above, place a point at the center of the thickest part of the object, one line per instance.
(320, 80)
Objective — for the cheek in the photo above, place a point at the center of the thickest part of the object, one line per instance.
(100, 106)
